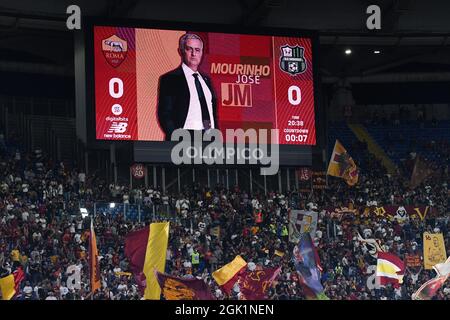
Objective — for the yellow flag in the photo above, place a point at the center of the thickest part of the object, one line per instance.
(433, 249)
(7, 287)
(215, 231)
(155, 258)
(279, 253)
(342, 165)
(121, 273)
(228, 271)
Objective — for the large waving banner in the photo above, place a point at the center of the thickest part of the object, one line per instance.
(306, 263)
(399, 213)
(302, 221)
(176, 288)
(254, 284)
(390, 269)
(342, 165)
(155, 258)
(227, 276)
(431, 287)
(413, 260)
(433, 249)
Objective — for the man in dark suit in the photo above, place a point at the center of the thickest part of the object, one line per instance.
(186, 97)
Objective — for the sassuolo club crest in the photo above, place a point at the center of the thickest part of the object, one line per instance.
(292, 59)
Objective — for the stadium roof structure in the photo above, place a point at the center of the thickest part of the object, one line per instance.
(414, 35)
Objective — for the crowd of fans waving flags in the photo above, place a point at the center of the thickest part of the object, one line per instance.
(145, 250)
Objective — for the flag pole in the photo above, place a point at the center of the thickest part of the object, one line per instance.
(91, 255)
(93, 262)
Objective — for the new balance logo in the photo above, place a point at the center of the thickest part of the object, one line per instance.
(118, 127)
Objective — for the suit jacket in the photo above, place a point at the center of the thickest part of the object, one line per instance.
(174, 98)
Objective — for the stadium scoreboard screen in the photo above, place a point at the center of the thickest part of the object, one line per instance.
(259, 81)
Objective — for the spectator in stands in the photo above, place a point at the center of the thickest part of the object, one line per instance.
(43, 231)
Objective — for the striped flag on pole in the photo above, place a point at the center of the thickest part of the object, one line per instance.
(342, 165)
(146, 250)
(10, 285)
(390, 269)
(93, 260)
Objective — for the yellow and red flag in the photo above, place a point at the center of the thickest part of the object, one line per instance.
(10, 285)
(146, 251)
(155, 258)
(342, 165)
(390, 269)
(93, 261)
(227, 276)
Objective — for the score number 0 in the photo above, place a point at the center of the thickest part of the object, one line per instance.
(294, 95)
(116, 94)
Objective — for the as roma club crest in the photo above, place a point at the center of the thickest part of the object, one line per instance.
(292, 59)
(115, 50)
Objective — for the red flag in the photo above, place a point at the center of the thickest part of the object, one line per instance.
(254, 284)
(19, 276)
(429, 289)
(176, 288)
(342, 165)
(136, 247)
(145, 250)
(135, 250)
(316, 256)
(10, 285)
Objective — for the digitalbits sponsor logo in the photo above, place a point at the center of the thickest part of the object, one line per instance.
(117, 109)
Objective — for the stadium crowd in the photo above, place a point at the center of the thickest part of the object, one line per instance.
(43, 231)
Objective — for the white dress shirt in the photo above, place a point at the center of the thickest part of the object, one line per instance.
(194, 119)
